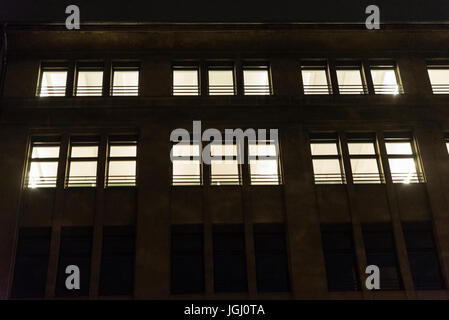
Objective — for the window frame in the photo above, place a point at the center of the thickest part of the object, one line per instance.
(253, 90)
(311, 90)
(190, 158)
(438, 88)
(88, 68)
(43, 142)
(326, 138)
(226, 91)
(405, 137)
(270, 182)
(386, 65)
(235, 157)
(80, 143)
(134, 91)
(115, 141)
(340, 66)
(49, 67)
(366, 138)
(190, 90)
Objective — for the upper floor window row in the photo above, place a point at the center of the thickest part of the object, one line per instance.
(318, 77)
(220, 79)
(89, 79)
(360, 155)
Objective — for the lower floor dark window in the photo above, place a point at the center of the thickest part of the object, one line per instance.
(75, 249)
(229, 259)
(423, 256)
(339, 255)
(187, 263)
(271, 258)
(117, 261)
(381, 251)
(30, 272)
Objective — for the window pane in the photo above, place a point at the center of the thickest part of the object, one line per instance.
(221, 82)
(365, 171)
(324, 149)
(403, 148)
(315, 81)
(83, 174)
(125, 83)
(262, 150)
(439, 78)
(90, 83)
(186, 150)
(42, 175)
(45, 152)
(384, 81)
(224, 172)
(403, 170)
(264, 172)
(123, 151)
(185, 82)
(350, 82)
(361, 148)
(327, 170)
(223, 150)
(84, 152)
(186, 172)
(53, 83)
(122, 173)
(256, 82)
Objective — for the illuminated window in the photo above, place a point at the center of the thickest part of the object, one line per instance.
(83, 165)
(326, 159)
(226, 170)
(43, 165)
(385, 79)
(122, 158)
(447, 142)
(125, 82)
(264, 163)
(185, 81)
(89, 83)
(52, 83)
(256, 80)
(315, 79)
(403, 160)
(350, 80)
(221, 81)
(439, 79)
(364, 159)
(186, 164)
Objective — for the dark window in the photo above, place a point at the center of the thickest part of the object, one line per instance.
(339, 255)
(117, 261)
(271, 258)
(381, 251)
(30, 274)
(229, 259)
(423, 257)
(76, 248)
(187, 263)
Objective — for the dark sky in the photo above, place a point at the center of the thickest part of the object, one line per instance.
(224, 10)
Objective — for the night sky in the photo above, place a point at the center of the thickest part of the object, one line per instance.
(224, 11)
